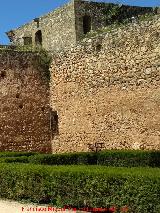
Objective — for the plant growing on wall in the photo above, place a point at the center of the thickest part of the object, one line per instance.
(43, 61)
(111, 12)
(42, 58)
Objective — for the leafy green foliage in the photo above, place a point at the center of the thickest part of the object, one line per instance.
(113, 24)
(129, 158)
(65, 159)
(120, 158)
(22, 159)
(20, 48)
(41, 59)
(15, 157)
(16, 154)
(43, 62)
(125, 158)
(94, 186)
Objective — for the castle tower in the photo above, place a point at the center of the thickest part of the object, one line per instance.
(65, 26)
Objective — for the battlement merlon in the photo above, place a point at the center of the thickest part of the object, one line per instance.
(65, 26)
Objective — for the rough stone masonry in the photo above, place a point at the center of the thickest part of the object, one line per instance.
(65, 26)
(104, 89)
(24, 102)
(107, 89)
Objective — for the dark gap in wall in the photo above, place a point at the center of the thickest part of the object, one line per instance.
(54, 123)
(43, 108)
(17, 95)
(3, 74)
(37, 21)
(86, 24)
(27, 40)
(21, 106)
(98, 47)
(38, 37)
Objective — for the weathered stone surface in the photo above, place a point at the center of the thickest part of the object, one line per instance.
(65, 26)
(110, 95)
(103, 89)
(24, 101)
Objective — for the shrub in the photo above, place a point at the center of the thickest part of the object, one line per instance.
(16, 154)
(126, 158)
(120, 158)
(65, 159)
(129, 158)
(22, 159)
(79, 186)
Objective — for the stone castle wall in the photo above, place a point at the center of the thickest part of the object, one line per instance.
(57, 28)
(24, 100)
(103, 14)
(65, 26)
(108, 90)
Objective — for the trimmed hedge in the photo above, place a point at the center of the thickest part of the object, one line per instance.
(83, 158)
(16, 154)
(118, 158)
(129, 158)
(79, 186)
(107, 158)
(21, 159)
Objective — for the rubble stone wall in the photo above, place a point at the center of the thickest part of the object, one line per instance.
(103, 14)
(107, 89)
(57, 28)
(24, 104)
(64, 27)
